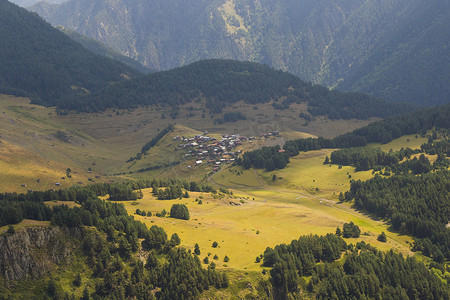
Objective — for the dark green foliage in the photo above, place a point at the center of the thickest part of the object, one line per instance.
(382, 237)
(11, 230)
(231, 116)
(416, 205)
(364, 158)
(112, 245)
(40, 61)
(299, 258)
(378, 132)
(173, 189)
(223, 82)
(350, 230)
(119, 192)
(179, 211)
(338, 231)
(226, 258)
(215, 244)
(51, 287)
(269, 158)
(364, 273)
(308, 250)
(77, 280)
(175, 240)
(382, 131)
(369, 274)
(197, 249)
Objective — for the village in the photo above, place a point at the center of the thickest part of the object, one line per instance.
(211, 151)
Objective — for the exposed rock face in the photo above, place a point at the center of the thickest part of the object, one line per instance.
(34, 251)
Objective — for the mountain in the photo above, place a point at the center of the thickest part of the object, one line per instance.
(221, 83)
(38, 60)
(26, 3)
(396, 50)
(100, 49)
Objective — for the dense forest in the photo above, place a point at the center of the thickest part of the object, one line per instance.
(415, 205)
(110, 250)
(224, 82)
(384, 131)
(39, 61)
(363, 273)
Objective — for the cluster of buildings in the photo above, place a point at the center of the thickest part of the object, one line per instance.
(209, 150)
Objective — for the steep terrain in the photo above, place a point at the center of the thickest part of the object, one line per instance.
(397, 50)
(40, 61)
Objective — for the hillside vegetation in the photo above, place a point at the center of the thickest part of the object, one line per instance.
(396, 50)
(38, 60)
(225, 82)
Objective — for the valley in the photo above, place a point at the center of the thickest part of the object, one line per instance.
(215, 178)
(260, 209)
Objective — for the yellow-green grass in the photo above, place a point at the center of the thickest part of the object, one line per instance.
(407, 141)
(105, 141)
(307, 174)
(25, 223)
(245, 228)
(21, 170)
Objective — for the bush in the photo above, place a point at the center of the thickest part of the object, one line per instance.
(179, 211)
(382, 237)
(215, 244)
(351, 230)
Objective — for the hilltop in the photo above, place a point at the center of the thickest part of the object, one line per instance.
(222, 83)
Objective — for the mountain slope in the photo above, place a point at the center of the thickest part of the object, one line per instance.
(223, 82)
(100, 49)
(43, 62)
(392, 49)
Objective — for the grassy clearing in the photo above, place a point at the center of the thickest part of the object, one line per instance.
(407, 141)
(25, 223)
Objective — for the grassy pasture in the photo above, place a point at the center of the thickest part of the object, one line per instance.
(407, 141)
(264, 215)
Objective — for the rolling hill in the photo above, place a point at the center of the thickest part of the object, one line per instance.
(38, 60)
(396, 50)
(222, 83)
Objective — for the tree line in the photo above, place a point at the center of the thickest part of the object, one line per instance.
(415, 205)
(152, 142)
(363, 273)
(384, 131)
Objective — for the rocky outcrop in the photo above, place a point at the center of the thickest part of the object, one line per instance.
(34, 251)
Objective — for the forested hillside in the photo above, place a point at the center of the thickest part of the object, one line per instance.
(396, 50)
(224, 82)
(42, 62)
(116, 263)
(384, 131)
